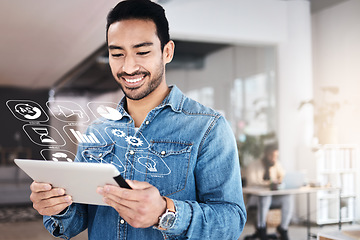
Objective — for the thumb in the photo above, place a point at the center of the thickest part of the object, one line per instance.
(137, 184)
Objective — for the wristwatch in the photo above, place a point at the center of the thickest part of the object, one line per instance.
(167, 220)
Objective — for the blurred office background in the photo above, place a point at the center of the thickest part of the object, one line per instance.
(278, 70)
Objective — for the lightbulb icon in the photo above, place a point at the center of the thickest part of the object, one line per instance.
(148, 163)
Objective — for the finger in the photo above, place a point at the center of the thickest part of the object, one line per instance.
(123, 207)
(39, 196)
(53, 205)
(51, 202)
(119, 192)
(100, 190)
(119, 201)
(54, 210)
(39, 187)
(137, 184)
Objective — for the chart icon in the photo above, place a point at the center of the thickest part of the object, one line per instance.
(77, 137)
(107, 110)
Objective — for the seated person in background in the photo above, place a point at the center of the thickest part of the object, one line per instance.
(263, 172)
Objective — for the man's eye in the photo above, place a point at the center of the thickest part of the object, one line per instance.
(117, 55)
(143, 53)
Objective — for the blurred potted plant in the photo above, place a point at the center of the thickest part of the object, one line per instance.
(324, 115)
(252, 147)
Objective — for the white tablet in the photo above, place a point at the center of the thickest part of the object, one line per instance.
(79, 179)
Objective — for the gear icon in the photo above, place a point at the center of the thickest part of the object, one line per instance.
(134, 141)
(118, 133)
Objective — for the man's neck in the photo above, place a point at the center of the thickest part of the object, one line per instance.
(138, 109)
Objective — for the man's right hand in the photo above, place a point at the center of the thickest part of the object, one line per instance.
(48, 200)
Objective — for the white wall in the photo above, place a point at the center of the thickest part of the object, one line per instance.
(295, 85)
(246, 21)
(336, 44)
(285, 24)
(336, 49)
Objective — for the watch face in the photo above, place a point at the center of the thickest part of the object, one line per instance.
(167, 220)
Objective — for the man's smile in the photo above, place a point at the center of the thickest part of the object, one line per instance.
(133, 80)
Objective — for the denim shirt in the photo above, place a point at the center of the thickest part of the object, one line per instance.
(187, 151)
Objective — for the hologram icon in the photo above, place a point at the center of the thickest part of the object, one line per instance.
(26, 110)
(67, 111)
(44, 135)
(58, 155)
(83, 138)
(77, 137)
(107, 110)
(124, 136)
(148, 163)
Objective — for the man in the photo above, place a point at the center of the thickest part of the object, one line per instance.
(265, 172)
(179, 157)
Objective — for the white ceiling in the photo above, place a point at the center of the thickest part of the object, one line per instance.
(42, 40)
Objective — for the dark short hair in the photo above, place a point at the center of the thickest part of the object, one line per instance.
(141, 9)
(271, 148)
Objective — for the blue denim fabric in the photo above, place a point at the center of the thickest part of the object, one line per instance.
(184, 149)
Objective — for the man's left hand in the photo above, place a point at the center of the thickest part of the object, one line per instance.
(140, 206)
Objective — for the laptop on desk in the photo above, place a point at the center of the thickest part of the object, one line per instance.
(294, 180)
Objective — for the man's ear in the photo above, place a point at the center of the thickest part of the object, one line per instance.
(168, 52)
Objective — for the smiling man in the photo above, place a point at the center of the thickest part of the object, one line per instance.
(179, 157)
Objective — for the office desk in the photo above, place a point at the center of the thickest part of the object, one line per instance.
(351, 233)
(262, 192)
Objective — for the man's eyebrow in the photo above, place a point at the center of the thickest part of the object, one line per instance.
(111, 47)
(144, 44)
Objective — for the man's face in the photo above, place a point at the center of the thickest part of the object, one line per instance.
(272, 157)
(135, 57)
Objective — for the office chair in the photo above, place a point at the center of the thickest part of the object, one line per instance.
(253, 210)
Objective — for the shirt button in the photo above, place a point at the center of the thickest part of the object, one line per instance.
(147, 122)
(132, 152)
(122, 221)
(130, 121)
(163, 153)
(100, 154)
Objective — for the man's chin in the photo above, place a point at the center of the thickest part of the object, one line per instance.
(134, 95)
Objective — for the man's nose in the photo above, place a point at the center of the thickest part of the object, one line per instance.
(130, 65)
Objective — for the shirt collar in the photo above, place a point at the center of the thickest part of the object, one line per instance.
(175, 99)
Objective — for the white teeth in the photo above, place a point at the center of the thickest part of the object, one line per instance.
(133, 80)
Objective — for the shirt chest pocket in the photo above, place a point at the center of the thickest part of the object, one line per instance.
(103, 154)
(172, 167)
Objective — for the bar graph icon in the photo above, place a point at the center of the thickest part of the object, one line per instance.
(77, 137)
(83, 138)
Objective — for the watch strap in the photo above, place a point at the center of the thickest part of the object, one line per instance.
(170, 204)
(170, 207)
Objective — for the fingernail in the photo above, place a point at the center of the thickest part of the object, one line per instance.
(106, 188)
(100, 190)
(68, 199)
(61, 191)
(47, 187)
